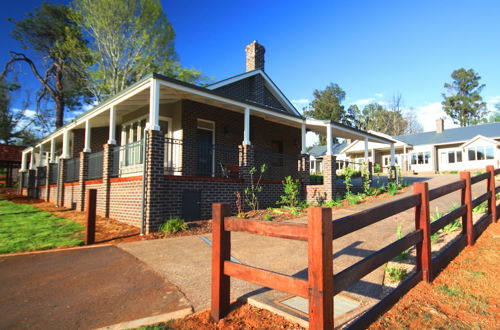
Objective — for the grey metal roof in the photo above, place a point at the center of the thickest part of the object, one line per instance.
(319, 151)
(452, 135)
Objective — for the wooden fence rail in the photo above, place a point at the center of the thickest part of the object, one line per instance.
(322, 285)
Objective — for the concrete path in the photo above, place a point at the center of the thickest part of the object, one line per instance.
(82, 289)
(186, 261)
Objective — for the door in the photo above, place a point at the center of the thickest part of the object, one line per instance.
(205, 152)
(191, 201)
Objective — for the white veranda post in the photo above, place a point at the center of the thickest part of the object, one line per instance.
(366, 150)
(32, 159)
(112, 125)
(329, 140)
(52, 151)
(246, 130)
(87, 136)
(24, 162)
(40, 156)
(154, 106)
(303, 138)
(393, 157)
(65, 153)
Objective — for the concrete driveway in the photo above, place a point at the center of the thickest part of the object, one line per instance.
(83, 289)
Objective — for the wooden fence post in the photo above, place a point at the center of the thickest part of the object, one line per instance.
(422, 221)
(492, 205)
(320, 268)
(221, 251)
(468, 227)
(91, 216)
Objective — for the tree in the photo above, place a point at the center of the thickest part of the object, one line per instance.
(129, 39)
(413, 124)
(464, 103)
(375, 117)
(327, 104)
(56, 39)
(495, 116)
(14, 123)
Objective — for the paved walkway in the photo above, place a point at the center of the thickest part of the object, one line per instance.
(186, 261)
(81, 289)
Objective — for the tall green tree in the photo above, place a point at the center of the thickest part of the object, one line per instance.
(375, 117)
(129, 39)
(54, 39)
(327, 104)
(463, 103)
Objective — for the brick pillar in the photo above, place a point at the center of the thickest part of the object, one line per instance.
(21, 181)
(61, 176)
(48, 176)
(155, 179)
(247, 161)
(31, 183)
(107, 167)
(40, 180)
(304, 174)
(82, 177)
(329, 176)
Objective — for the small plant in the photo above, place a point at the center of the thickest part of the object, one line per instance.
(481, 208)
(334, 202)
(348, 174)
(436, 215)
(396, 274)
(353, 199)
(277, 211)
(365, 176)
(399, 234)
(268, 217)
(239, 204)
(291, 191)
(173, 225)
(251, 191)
(435, 237)
(392, 188)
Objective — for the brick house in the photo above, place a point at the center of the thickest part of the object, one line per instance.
(165, 148)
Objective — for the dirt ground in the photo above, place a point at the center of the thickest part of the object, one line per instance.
(242, 317)
(465, 295)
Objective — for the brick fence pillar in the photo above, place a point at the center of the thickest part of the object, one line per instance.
(304, 173)
(107, 168)
(155, 179)
(329, 176)
(40, 180)
(246, 160)
(21, 182)
(31, 183)
(82, 177)
(61, 177)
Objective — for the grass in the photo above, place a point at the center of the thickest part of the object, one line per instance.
(23, 227)
(396, 274)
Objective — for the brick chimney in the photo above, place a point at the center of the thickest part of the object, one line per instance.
(439, 125)
(255, 56)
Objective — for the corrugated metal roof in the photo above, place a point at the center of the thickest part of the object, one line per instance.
(318, 151)
(452, 135)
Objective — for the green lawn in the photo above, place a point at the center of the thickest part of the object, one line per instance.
(23, 227)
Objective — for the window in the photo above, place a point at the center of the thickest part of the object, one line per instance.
(420, 158)
(481, 153)
(451, 156)
(459, 156)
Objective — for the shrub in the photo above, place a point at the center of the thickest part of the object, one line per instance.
(334, 202)
(291, 191)
(173, 225)
(365, 175)
(268, 217)
(354, 199)
(392, 188)
(396, 274)
(348, 174)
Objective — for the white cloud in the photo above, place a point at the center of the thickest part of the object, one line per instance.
(491, 101)
(300, 103)
(364, 101)
(428, 114)
(379, 95)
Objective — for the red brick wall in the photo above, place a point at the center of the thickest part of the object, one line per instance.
(100, 197)
(71, 193)
(52, 194)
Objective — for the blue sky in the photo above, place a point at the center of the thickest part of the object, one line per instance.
(372, 49)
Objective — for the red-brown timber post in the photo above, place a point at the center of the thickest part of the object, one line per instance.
(221, 251)
(468, 227)
(91, 216)
(492, 205)
(422, 221)
(320, 268)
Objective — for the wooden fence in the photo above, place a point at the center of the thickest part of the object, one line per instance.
(319, 232)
